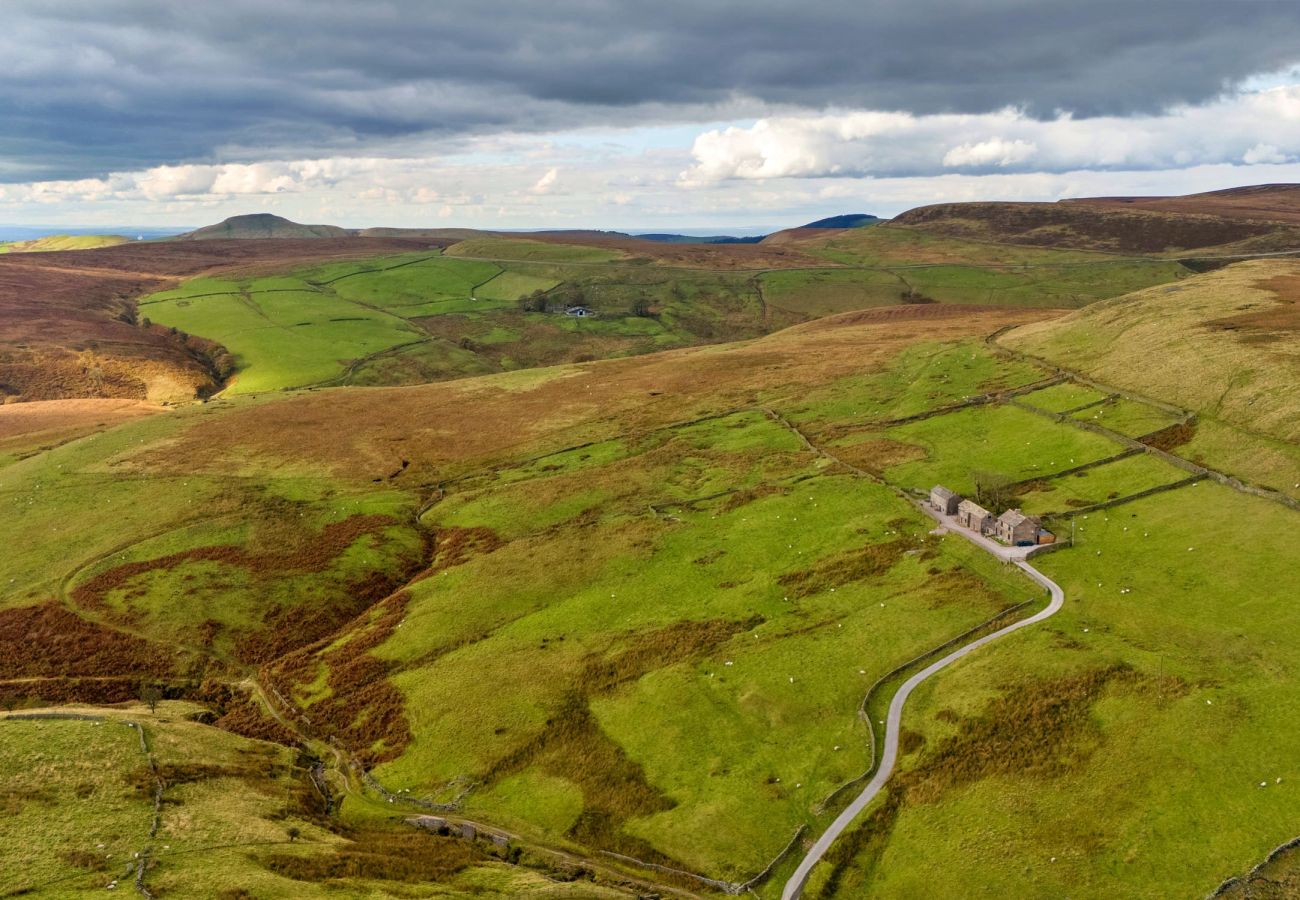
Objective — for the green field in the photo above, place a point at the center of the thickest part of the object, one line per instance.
(1165, 730)
(531, 251)
(1001, 439)
(732, 624)
(1098, 485)
(420, 317)
(822, 292)
(236, 814)
(1127, 417)
(632, 606)
(952, 270)
(1061, 398)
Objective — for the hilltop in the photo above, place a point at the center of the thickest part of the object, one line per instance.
(1259, 219)
(1258, 202)
(850, 220)
(260, 226)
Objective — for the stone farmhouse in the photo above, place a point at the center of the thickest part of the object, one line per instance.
(944, 500)
(1013, 527)
(975, 517)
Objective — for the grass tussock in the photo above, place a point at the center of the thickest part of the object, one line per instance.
(1040, 729)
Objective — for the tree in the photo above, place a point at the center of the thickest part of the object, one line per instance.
(534, 302)
(294, 833)
(992, 490)
(641, 307)
(150, 694)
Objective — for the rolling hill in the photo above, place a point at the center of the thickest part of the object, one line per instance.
(1259, 203)
(63, 242)
(258, 226)
(1242, 221)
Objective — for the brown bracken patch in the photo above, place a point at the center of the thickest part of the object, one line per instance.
(846, 567)
(1281, 316)
(403, 856)
(49, 641)
(878, 454)
(1171, 438)
(282, 629)
(364, 712)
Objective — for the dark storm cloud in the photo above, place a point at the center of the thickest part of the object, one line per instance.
(90, 86)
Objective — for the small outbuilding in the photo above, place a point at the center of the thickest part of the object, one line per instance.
(580, 312)
(1015, 528)
(973, 516)
(944, 500)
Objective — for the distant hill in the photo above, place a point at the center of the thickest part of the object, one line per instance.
(1256, 219)
(851, 220)
(63, 242)
(1260, 203)
(455, 234)
(261, 226)
(698, 239)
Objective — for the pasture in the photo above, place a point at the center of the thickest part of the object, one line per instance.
(1080, 756)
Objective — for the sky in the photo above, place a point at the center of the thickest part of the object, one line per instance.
(734, 115)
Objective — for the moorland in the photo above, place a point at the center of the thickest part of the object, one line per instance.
(361, 565)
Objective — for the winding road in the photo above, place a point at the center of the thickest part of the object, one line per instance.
(1017, 555)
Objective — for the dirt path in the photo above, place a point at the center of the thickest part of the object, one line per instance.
(889, 756)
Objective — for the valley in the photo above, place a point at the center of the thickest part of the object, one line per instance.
(619, 601)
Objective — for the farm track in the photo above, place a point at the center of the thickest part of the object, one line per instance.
(893, 723)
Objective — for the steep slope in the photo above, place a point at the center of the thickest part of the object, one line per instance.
(261, 226)
(1226, 343)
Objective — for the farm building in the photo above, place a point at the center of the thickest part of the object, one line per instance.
(581, 312)
(944, 500)
(973, 516)
(1014, 527)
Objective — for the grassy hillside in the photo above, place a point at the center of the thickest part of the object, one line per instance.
(63, 242)
(80, 817)
(894, 264)
(633, 606)
(236, 557)
(1222, 344)
(425, 317)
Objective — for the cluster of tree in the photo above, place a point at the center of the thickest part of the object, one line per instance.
(534, 302)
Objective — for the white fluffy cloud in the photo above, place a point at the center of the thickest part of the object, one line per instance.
(1252, 128)
(764, 174)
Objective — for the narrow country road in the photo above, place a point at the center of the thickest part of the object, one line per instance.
(794, 887)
